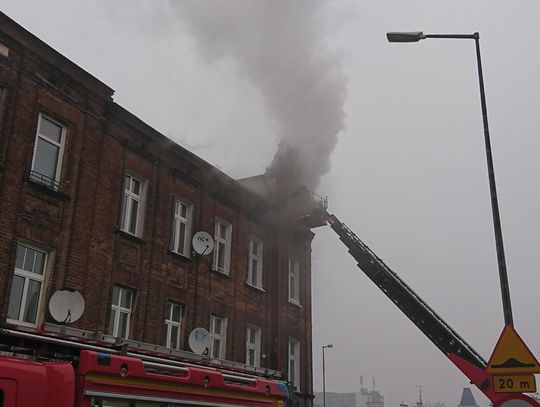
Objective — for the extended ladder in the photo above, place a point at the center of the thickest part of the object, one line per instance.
(427, 320)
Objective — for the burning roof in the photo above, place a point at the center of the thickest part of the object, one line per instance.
(298, 204)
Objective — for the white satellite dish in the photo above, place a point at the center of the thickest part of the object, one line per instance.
(66, 306)
(203, 243)
(199, 340)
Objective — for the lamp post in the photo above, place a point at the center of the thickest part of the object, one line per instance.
(323, 374)
(503, 277)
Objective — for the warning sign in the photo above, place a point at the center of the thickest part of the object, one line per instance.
(514, 384)
(511, 355)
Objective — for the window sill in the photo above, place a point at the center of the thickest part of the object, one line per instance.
(219, 272)
(254, 287)
(296, 303)
(129, 236)
(22, 324)
(179, 256)
(47, 190)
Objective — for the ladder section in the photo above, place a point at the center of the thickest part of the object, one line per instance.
(420, 313)
(52, 341)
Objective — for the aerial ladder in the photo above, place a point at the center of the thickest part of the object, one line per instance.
(453, 346)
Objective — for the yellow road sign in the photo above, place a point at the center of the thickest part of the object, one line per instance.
(511, 355)
(514, 384)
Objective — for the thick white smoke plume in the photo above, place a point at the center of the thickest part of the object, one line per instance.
(279, 46)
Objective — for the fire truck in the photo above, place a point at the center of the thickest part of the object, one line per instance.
(453, 346)
(60, 366)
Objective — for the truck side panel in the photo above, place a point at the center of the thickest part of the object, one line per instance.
(27, 383)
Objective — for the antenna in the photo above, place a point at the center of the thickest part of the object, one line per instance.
(202, 243)
(66, 306)
(199, 341)
(419, 394)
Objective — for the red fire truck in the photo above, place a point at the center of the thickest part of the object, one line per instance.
(65, 367)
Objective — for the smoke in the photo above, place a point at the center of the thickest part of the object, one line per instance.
(279, 46)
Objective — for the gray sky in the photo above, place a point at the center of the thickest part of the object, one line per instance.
(408, 173)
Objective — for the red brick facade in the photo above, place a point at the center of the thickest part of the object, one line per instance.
(78, 222)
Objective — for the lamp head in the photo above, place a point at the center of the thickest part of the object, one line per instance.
(413, 36)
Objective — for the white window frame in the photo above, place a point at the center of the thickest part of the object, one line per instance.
(60, 146)
(294, 363)
(254, 277)
(253, 344)
(117, 310)
(128, 199)
(294, 281)
(218, 338)
(178, 221)
(222, 244)
(170, 323)
(29, 276)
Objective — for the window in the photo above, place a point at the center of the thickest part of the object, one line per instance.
(121, 312)
(4, 50)
(255, 262)
(218, 333)
(181, 228)
(222, 249)
(294, 363)
(253, 346)
(48, 151)
(27, 285)
(173, 325)
(133, 206)
(294, 281)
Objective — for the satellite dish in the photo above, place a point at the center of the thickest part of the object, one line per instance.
(203, 243)
(66, 306)
(199, 340)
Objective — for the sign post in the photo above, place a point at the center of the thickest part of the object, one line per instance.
(513, 365)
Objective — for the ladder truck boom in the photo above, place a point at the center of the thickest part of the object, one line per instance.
(418, 311)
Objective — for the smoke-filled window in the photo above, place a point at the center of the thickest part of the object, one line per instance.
(181, 234)
(255, 262)
(222, 249)
(294, 281)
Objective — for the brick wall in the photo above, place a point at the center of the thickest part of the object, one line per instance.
(79, 225)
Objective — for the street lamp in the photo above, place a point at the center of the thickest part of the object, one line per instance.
(323, 374)
(503, 277)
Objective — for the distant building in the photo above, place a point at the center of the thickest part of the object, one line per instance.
(467, 399)
(363, 398)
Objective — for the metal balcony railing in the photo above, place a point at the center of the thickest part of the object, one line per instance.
(45, 181)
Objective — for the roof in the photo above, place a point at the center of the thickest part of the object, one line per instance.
(467, 398)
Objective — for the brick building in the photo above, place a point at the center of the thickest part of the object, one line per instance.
(94, 200)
